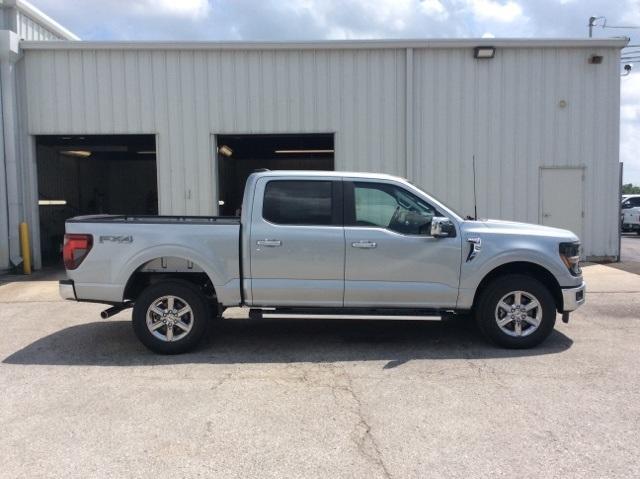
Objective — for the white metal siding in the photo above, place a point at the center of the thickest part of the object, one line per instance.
(504, 110)
(185, 96)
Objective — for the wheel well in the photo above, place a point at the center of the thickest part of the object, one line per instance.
(140, 279)
(522, 267)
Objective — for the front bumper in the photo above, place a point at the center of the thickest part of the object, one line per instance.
(573, 298)
(67, 289)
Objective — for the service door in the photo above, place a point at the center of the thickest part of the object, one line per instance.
(297, 242)
(561, 198)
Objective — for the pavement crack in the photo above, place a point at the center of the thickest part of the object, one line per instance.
(361, 434)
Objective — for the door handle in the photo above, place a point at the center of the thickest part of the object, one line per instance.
(269, 242)
(364, 244)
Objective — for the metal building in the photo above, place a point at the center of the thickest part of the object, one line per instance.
(19, 21)
(175, 127)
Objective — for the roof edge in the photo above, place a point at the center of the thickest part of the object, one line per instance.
(618, 42)
(39, 16)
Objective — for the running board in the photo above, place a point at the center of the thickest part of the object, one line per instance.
(377, 315)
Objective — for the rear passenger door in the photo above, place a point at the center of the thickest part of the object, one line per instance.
(297, 242)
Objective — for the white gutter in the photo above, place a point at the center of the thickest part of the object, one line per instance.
(619, 42)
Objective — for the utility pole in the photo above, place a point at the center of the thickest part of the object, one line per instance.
(592, 23)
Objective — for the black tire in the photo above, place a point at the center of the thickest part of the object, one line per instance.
(488, 313)
(197, 319)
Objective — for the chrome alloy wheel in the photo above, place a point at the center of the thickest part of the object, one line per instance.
(169, 318)
(518, 313)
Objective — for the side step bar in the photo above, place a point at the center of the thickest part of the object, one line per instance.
(255, 313)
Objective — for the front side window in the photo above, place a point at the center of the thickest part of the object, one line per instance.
(389, 206)
(293, 202)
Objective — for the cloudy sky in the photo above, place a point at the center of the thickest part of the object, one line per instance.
(340, 19)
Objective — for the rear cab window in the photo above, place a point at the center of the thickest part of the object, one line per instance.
(303, 202)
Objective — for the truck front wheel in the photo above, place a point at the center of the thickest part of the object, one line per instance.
(516, 311)
(170, 317)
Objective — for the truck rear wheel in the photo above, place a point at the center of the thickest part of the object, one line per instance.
(516, 311)
(170, 317)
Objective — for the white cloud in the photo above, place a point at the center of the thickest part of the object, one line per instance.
(182, 8)
(488, 35)
(432, 8)
(495, 10)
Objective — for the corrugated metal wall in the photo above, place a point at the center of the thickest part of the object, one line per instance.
(505, 111)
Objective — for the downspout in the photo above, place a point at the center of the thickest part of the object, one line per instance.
(8, 57)
(4, 203)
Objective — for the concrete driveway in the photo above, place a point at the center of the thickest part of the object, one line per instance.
(630, 243)
(81, 398)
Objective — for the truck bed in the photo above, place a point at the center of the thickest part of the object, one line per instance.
(124, 244)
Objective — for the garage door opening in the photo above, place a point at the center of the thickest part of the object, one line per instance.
(240, 155)
(94, 174)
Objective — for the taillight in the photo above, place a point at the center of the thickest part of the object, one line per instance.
(75, 249)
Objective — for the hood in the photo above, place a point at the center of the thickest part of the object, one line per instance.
(514, 227)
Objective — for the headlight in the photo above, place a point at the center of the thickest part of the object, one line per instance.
(570, 254)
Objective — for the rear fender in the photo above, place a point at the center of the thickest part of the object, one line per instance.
(221, 284)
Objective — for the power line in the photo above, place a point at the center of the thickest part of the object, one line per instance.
(594, 20)
(634, 27)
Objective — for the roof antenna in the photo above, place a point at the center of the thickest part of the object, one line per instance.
(475, 199)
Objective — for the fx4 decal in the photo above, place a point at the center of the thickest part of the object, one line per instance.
(117, 239)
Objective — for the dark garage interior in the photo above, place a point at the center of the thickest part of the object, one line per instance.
(94, 174)
(240, 155)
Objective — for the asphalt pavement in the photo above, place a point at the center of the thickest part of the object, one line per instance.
(308, 398)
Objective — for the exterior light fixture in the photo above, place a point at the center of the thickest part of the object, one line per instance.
(302, 152)
(224, 150)
(595, 59)
(484, 52)
(76, 153)
(52, 202)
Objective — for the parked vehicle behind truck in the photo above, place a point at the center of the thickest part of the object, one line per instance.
(324, 244)
(630, 213)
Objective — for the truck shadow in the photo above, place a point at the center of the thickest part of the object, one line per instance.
(112, 343)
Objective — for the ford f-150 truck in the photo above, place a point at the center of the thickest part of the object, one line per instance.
(324, 245)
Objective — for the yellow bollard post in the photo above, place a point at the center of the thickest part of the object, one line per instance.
(24, 248)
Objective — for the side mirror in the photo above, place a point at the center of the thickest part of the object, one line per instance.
(442, 227)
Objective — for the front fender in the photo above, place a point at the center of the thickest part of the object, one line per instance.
(474, 271)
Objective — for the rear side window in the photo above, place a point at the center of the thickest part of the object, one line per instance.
(293, 202)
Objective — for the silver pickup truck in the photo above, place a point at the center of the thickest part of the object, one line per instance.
(324, 245)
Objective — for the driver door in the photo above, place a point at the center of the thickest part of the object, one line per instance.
(391, 258)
